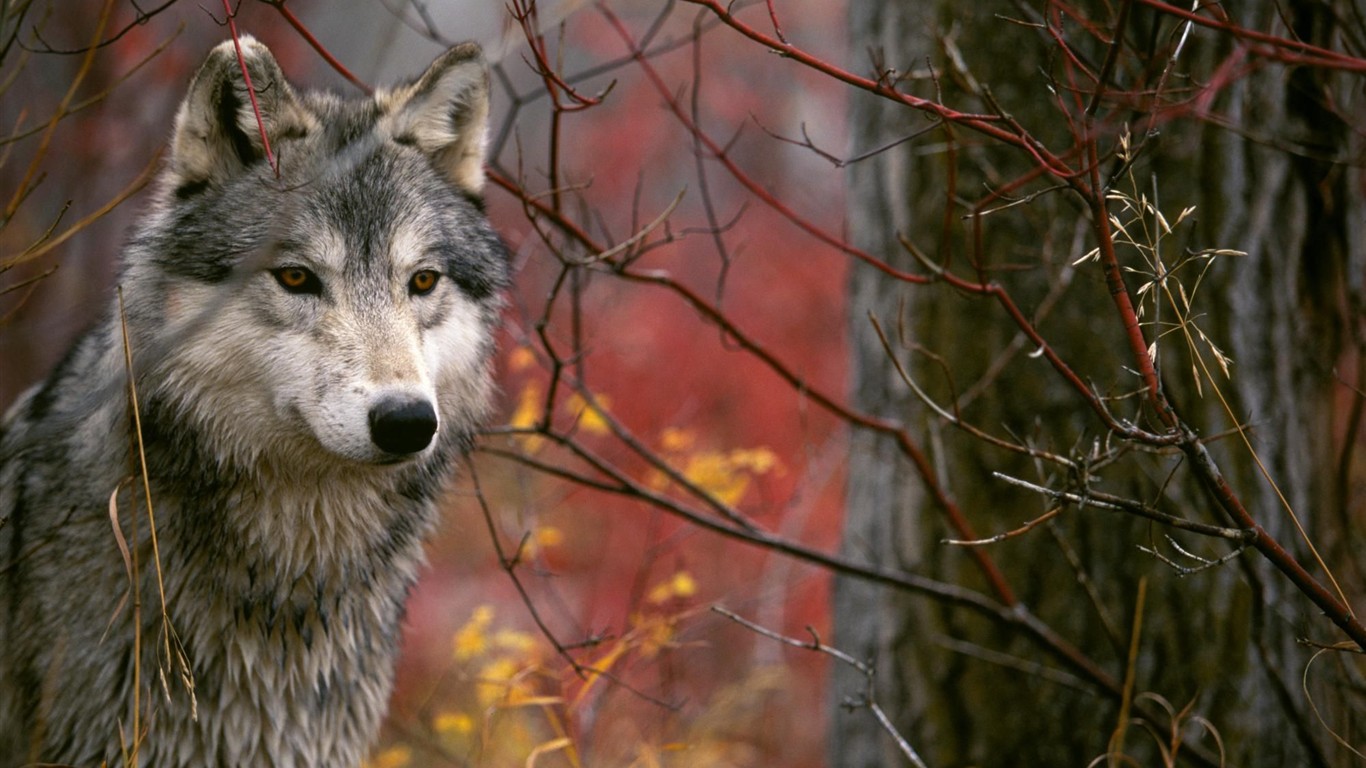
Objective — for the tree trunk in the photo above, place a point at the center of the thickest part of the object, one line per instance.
(1280, 186)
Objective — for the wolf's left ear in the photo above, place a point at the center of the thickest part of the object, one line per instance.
(217, 135)
(445, 114)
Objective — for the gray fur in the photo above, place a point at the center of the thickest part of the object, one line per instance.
(288, 537)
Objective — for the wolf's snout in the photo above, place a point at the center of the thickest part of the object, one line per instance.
(402, 426)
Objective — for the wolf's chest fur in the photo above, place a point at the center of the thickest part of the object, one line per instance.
(293, 657)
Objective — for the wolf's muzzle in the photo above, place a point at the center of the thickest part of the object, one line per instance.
(402, 426)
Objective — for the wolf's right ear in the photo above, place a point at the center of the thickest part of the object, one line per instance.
(216, 131)
(445, 114)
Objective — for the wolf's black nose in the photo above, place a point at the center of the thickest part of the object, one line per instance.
(402, 426)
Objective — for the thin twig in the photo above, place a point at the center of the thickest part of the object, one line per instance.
(1108, 501)
(868, 700)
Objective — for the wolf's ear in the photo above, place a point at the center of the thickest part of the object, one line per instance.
(216, 132)
(445, 114)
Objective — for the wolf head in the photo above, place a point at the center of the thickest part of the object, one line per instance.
(333, 297)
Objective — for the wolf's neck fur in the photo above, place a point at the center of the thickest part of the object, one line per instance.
(296, 587)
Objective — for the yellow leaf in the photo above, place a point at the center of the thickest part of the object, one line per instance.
(661, 593)
(542, 537)
(658, 634)
(496, 680)
(521, 359)
(683, 584)
(394, 757)
(513, 640)
(675, 439)
(757, 460)
(453, 723)
(604, 663)
(549, 536)
(528, 412)
(472, 639)
(716, 474)
(589, 418)
(528, 415)
(507, 681)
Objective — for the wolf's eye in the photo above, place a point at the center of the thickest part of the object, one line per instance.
(423, 282)
(298, 280)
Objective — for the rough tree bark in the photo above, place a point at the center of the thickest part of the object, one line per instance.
(1282, 184)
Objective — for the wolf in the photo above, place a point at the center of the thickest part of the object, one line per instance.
(212, 511)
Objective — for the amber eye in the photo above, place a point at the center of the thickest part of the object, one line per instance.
(423, 282)
(298, 280)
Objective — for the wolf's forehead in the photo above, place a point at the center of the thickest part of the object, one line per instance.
(369, 195)
(401, 248)
(343, 121)
(371, 236)
(379, 254)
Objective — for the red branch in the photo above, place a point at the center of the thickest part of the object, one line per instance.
(987, 125)
(1275, 47)
(317, 46)
(251, 91)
